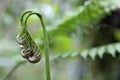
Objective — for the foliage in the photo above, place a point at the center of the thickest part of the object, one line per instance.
(86, 15)
(75, 27)
(93, 52)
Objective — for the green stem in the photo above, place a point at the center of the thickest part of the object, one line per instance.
(46, 44)
(7, 76)
(22, 17)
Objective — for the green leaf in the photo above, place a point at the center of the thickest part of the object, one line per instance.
(74, 54)
(101, 51)
(84, 54)
(92, 53)
(65, 55)
(111, 49)
(117, 47)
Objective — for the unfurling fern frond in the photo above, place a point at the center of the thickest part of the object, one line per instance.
(30, 50)
(93, 52)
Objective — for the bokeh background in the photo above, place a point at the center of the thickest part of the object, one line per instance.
(72, 25)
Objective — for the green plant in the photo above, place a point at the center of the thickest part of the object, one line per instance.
(92, 52)
(85, 19)
(30, 50)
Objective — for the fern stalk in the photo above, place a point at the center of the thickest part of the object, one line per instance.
(46, 44)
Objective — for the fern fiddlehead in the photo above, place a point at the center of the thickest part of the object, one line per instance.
(30, 50)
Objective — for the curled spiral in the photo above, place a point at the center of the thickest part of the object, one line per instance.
(29, 49)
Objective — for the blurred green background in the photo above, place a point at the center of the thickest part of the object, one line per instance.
(71, 26)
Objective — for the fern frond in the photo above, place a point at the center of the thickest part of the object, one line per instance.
(83, 18)
(86, 14)
(93, 52)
